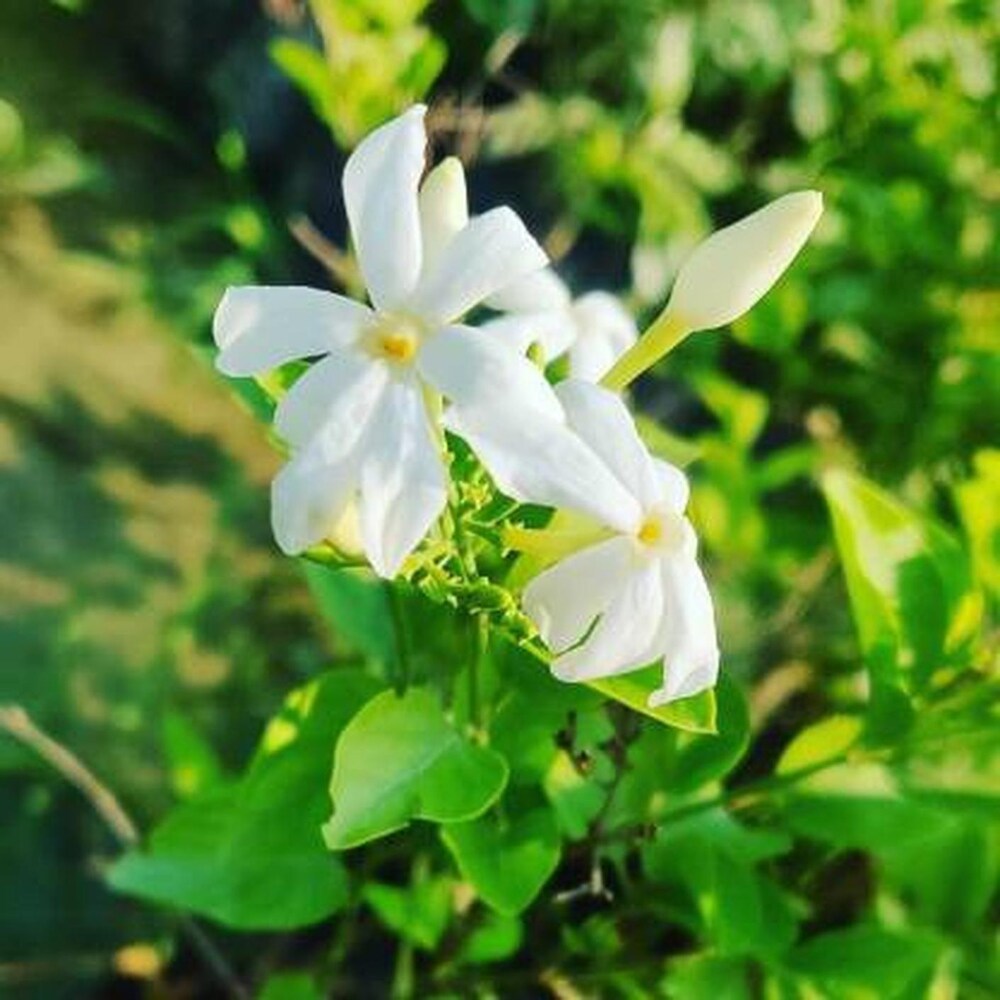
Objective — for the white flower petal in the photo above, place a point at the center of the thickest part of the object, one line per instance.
(308, 497)
(552, 331)
(675, 491)
(727, 273)
(258, 328)
(338, 393)
(541, 460)
(603, 421)
(380, 194)
(542, 291)
(490, 251)
(564, 600)
(590, 358)
(444, 208)
(474, 369)
(691, 657)
(623, 638)
(402, 479)
(606, 331)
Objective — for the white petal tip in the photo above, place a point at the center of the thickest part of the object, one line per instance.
(414, 111)
(686, 683)
(384, 570)
(807, 206)
(564, 674)
(222, 322)
(289, 544)
(451, 167)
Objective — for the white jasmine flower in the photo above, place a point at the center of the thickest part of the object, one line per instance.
(594, 329)
(362, 421)
(637, 596)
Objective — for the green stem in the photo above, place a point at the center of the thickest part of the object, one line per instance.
(403, 663)
(481, 641)
(753, 789)
(402, 978)
(665, 333)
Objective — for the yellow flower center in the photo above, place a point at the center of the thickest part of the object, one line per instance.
(661, 530)
(651, 531)
(398, 346)
(394, 339)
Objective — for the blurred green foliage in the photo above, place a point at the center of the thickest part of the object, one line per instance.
(837, 837)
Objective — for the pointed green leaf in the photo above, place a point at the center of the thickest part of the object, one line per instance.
(400, 759)
(507, 859)
(356, 607)
(495, 937)
(908, 580)
(824, 741)
(418, 913)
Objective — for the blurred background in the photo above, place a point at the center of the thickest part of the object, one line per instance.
(152, 153)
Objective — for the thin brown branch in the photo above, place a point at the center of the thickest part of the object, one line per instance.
(324, 250)
(17, 723)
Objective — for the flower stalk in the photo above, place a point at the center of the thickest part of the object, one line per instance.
(663, 335)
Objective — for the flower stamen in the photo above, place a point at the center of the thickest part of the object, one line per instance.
(651, 531)
(661, 530)
(394, 339)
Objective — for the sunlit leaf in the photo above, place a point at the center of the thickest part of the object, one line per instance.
(824, 741)
(908, 581)
(399, 759)
(696, 714)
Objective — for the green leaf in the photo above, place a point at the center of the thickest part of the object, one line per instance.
(978, 502)
(194, 767)
(715, 859)
(694, 715)
(503, 15)
(356, 606)
(702, 976)
(250, 854)
(576, 795)
(534, 708)
(400, 759)
(707, 758)
(496, 937)
(741, 411)
(887, 962)
(952, 875)
(418, 913)
(908, 581)
(676, 450)
(860, 806)
(308, 70)
(291, 986)
(507, 859)
(826, 740)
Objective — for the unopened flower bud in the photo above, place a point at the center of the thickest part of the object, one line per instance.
(730, 271)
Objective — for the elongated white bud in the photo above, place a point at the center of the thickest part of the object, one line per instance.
(444, 207)
(730, 271)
